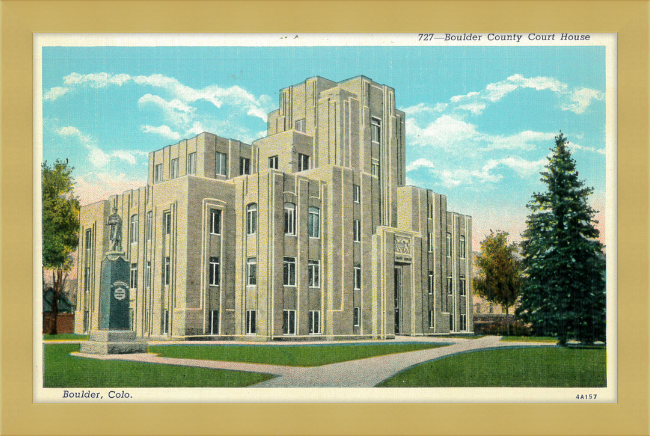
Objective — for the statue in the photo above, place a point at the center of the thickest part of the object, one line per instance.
(115, 234)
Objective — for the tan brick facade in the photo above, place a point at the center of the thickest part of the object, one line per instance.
(307, 232)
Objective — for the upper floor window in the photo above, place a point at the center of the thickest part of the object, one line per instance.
(461, 247)
(357, 277)
(214, 271)
(314, 273)
(314, 222)
(450, 285)
(167, 272)
(448, 244)
(375, 129)
(430, 283)
(251, 219)
(289, 271)
(289, 218)
(148, 227)
(375, 169)
(173, 169)
(191, 163)
(356, 230)
(134, 275)
(431, 241)
(461, 286)
(273, 162)
(301, 125)
(251, 271)
(303, 162)
(167, 223)
(134, 229)
(221, 161)
(244, 166)
(158, 173)
(147, 275)
(215, 221)
(89, 240)
(430, 211)
(356, 193)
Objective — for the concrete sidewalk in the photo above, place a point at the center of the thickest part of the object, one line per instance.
(356, 373)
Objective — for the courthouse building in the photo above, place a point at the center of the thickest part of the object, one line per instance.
(307, 232)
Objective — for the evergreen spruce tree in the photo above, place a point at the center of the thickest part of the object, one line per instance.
(564, 290)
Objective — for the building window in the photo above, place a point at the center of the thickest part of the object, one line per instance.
(450, 285)
(147, 275)
(134, 229)
(314, 222)
(448, 244)
(356, 317)
(289, 322)
(463, 322)
(134, 275)
(314, 322)
(148, 226)
(244, 166)
(221, 161)
(356, 230)
(430, 283)
(461, 286)
(86, 280)
(301, 125)
(214, 322)
(214, 271)
(215, 221)
(451, 322)
(158, 173)
(430, 242)
(430, 211)
(273, 162)
(289, 218)
(375, 169)
(461, 247)
(89, 241)
(167, 223)
(191, 163)
(375, 130)
(251, 271)
(289, 271)
(356, 193)
(167, 270)
(303, 162)
(165, 322)
(251, 322)
(357, 277)
(251, 219)
(431, 319)
(313, 270)
(173, 169)
(86, 320)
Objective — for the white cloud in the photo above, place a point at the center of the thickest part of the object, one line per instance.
(419, 163)
(175, 111)
(476, 108)
(165, 131)
(196, 129)
(575, 146)
(96, 156)
(457, 98)
(422, 108)
(55, 93)
(98, 186)
(444, 132)
(525, 140)
(521, 166)
(581, 99)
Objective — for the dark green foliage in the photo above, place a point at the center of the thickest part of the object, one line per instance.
(60, 225)
(527, 367)
(564, 291)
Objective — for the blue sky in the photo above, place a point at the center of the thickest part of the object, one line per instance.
(480, 120)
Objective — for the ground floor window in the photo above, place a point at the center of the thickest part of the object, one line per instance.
(251, 322)
(165, 322)
(451, 322)
(289, 322)
(314, 322)
(356, 317)
(214, 322)
(463, 322)
(86, 320)
(132, 318)
(431, 319)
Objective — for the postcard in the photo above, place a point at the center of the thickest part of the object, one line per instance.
(353, 218)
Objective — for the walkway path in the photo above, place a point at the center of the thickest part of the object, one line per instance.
(356, 373)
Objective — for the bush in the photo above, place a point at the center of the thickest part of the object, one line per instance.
(517, 328)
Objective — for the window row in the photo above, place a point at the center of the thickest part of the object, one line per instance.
(289, 326)
(461, 246)
(173, 168)
(290, 226)
(462, 291)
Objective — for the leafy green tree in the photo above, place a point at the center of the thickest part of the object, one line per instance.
(60, 226)
(564, 291)
(500, 274)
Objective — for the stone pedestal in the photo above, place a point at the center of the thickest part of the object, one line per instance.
(114, 335)
(113, 342)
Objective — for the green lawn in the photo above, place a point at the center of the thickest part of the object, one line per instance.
(522, 367)
(65, 337)
(291, 355)
(545, 339)
(65, 371)
(463, 336)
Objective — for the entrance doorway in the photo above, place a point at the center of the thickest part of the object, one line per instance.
(398, 297)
